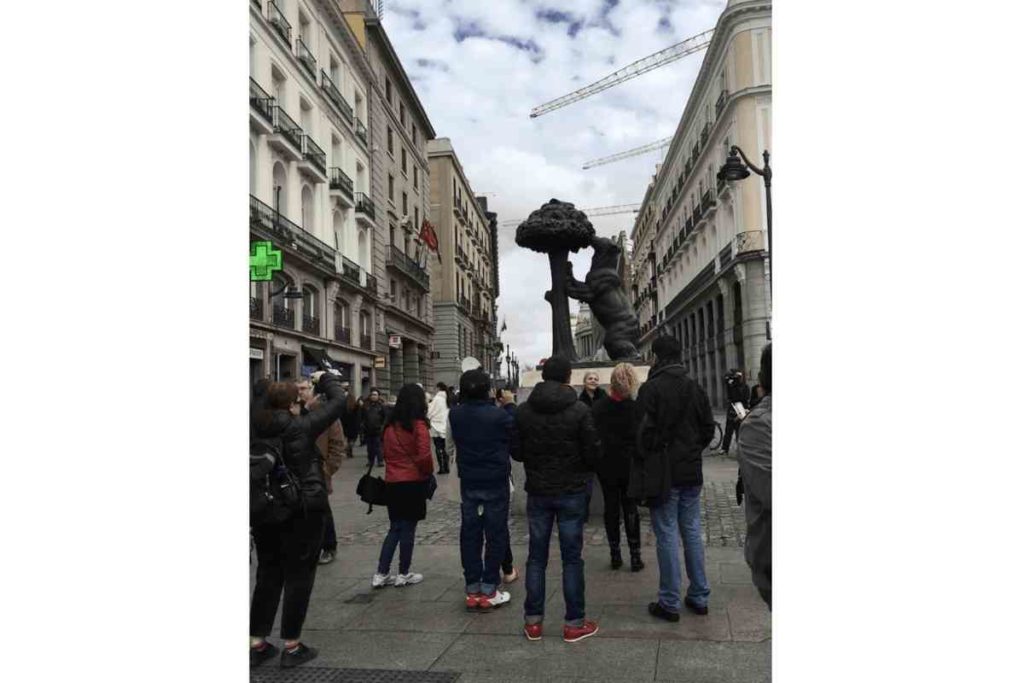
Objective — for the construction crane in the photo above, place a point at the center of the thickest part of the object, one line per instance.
(641, 66)
(591, 213)
(652, 147)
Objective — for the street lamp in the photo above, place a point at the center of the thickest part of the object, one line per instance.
(734, 169)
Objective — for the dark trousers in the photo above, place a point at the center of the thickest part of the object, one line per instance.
(402, 534)
(442, 454)
(286, 556)
(542, 512)
(616, 501)
(732, 426)
(373, 452)
(506, 564)
(484, 518)
(330, 536)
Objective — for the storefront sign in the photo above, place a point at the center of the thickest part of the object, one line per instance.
(394, 341)
(380, 362)
(256, 353)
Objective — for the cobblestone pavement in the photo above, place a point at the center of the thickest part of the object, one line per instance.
(722, 521)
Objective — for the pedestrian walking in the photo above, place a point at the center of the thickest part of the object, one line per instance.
(676, 426)
(737, 391)
(331, 445)
(615, 416)
(755, 456)
(437, 415)
(407, 475)
(351, 423)
(374, 415)
(559, 448)
(483, 436)
(509, 574)
(287, 551)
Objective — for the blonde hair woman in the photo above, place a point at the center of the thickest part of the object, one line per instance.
(615, 416)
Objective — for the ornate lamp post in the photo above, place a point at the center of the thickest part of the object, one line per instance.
(735, 169)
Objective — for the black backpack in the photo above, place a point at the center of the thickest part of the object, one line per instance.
(274, 493)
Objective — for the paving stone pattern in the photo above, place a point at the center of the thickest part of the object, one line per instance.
(309, 674)
(722, 520)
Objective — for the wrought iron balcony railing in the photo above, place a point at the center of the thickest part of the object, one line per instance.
(371, 285)
(361, 131)
(311, 324)
(287, 127)
(335, 96)
(364, 204)
(406, 265)
(349, 270)
(280, 24)
(364, 341)
(306, 57)
(255, 308)
(284, 317)
(261, 101)
(314, 154)
(342, 334)
(265, 219)
(340, 181)
(707, 200)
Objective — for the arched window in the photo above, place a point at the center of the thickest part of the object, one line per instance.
(342, 321)
(364, 250)
(310, 310)
(280, 188)
(338, 222)
(308, 215)
(364, 325)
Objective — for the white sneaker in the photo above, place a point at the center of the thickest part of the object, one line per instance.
(381, 580)
(408, 579)
(497, 600)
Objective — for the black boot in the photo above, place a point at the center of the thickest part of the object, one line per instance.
(616, 557)
(635, 563)
(633, 539)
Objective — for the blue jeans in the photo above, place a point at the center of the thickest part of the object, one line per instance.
(373, 453)
(402, 533)
(541, 511)
(680, 514)
(482, 574)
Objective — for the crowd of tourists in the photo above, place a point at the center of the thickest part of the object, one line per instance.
(642, 442)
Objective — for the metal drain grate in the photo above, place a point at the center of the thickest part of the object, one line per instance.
(324, 675)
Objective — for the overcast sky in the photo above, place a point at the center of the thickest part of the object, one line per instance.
(479, 67)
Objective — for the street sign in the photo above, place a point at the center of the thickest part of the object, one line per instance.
(380, 362)
(394, 341)
(256, 353)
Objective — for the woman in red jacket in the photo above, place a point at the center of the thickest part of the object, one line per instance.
(408, 469)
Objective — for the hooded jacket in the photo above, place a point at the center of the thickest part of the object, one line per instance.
(483, 436)
(676, 425)
(299, 434)
(556, 440)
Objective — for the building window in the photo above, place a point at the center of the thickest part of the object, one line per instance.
(387, 89)
(405, 169)
(391, 189)
(391, 231)
(391, 142)
(416, 177)
(394, 290)
(344, 316)
(415, 135)
(416, 222)
(401, 113)
(364, 324)
(405, 203)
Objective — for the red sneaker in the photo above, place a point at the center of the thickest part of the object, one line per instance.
(494, 600)
(473, 601)
(573, 634)
(533, 631)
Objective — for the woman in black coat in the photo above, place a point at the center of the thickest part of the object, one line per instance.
(616, 418)
(287, 550)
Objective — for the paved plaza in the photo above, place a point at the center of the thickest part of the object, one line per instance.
(424, 633)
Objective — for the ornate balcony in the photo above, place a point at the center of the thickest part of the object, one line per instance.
(405, 265)
(280, 24)
(335, 96)
(342, 334)
(311, 324)
(371, 285)
(284, 317)
(361, 131)
(272, 225)
(261, 108)
(365, 211)
(364, 341)
(314, 160)
(306, 57)
(287, 136)
(341, 187)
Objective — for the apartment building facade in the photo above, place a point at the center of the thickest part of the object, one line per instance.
(465, 278)
(309, 164)
(699, 267)
(399, 189)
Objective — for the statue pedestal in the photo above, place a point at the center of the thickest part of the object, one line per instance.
(528, 381)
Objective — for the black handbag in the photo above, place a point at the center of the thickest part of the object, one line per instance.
(371, 490)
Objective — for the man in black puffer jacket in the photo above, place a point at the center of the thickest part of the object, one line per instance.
(675, 427)
(559, 448)
(287, 551)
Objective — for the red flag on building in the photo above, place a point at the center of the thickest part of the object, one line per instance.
(429, 237)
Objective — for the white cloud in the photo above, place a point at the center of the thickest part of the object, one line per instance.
(512, 55)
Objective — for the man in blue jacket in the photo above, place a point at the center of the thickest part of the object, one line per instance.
(483, 436)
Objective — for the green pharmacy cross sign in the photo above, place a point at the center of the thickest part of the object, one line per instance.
(264, 260)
